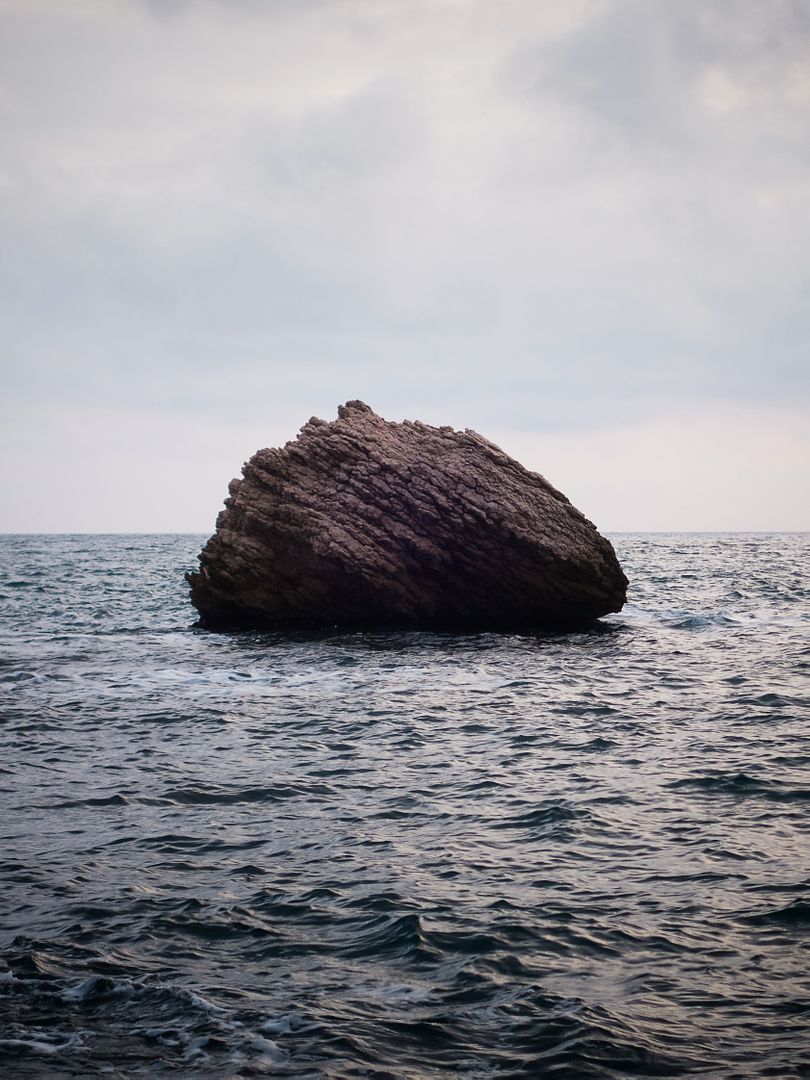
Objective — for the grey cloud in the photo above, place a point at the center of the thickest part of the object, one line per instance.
(486, 232)
(168, 9)
(637, 64)
(689, 120)
(618, 66)
(379, 127)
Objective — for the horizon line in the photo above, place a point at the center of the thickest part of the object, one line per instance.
(615, 532)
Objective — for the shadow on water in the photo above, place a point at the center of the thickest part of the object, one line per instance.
(382, 639)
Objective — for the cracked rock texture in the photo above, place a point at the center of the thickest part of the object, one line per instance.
(366, 523)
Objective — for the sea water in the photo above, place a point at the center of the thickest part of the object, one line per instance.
(404, 855)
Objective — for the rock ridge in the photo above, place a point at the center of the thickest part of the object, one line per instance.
(363, 522)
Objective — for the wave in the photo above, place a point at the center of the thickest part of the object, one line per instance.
(143, 1025)
(404, 855)
(742, 784)
(794, 914)
(199, 796)
(548, 815)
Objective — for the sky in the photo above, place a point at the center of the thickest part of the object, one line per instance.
(580, 227)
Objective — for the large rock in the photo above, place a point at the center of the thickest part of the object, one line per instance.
(360, 522)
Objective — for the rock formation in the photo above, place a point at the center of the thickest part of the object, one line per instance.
(364, 523)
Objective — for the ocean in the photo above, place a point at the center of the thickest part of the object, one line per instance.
(404, 855)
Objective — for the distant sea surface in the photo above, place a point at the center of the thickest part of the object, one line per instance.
(404, 855)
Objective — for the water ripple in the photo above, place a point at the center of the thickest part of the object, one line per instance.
(398, 855)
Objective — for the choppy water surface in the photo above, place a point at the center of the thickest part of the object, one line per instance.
(404, 855)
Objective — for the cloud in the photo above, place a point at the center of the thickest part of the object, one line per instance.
(671, 76)
(359, 136)
(721, 469)
(548, 217)
(161, 469)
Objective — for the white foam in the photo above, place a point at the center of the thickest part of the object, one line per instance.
(268, 1049)
(88, 987)
(43, 1045)
(166, 1035)
(281, 1025)
(196, 1048)
(200, 1002)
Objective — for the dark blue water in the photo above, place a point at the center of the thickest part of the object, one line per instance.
(404, 855)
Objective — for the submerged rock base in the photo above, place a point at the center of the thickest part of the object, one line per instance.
(366, 523)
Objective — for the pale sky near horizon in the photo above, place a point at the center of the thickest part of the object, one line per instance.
(580, 227)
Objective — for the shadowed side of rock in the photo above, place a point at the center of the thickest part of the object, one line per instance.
(361, 522)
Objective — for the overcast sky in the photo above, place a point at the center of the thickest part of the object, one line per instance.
(579, 226)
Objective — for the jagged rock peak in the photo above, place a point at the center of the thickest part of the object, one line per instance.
(365, 522)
